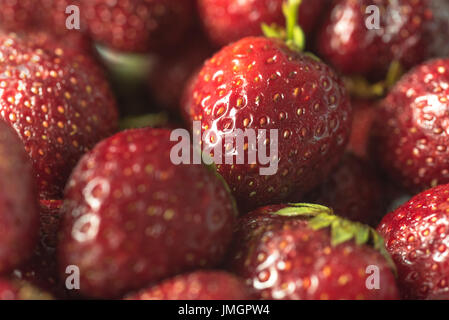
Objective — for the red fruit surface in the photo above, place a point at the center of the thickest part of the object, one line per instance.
(132, 217)
(199, 285)
(417, 237)
(364, 115)
(41, 269)
(59, 103)
(19, 218)
(137, 25)
(421, 32)
(411, 137)
(226, 21)
(172, 71)
(283, 258)
(353, 190)
(259, 83)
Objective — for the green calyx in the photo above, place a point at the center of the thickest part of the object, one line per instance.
(362, 88)
(293, 35)
(341, 229)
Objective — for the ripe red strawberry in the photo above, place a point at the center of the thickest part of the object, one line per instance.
(410, 32)
(172, 71)
(138, 25)
(411, 136)
(364, 115)
(284, 255)
(199, 285)
(261, 83)
(353, 190)
(132, 217)
(417, 237)
(18, 290)
(57, 100)
(41, 269)
(227, 21)
(19, 219)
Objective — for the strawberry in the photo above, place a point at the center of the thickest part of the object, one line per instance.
(285, 254)
(57, 100)
(265, 83)
(19, 218)
(364, 115)
(353, 190)
(132, 217)
(41, 269)
(199, 285)
(172, 71)
(227, 21)
(417, 237)
(410, 136)
(420, 32)
(137, 25)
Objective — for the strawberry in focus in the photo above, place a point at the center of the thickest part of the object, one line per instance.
(19, 218)
(199, 285)
(410, 135)
(417, 237)
(132, 217)
(303, 252)
(57, 100)
(421, 32)
(261, 83)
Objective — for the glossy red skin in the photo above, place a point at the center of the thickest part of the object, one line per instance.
(259, 83)
(199, 285)
(410, 137)
(364, 116)
(417, 237)
(155, 219)
(172, 71)
(41, 270)
(19, 218)
(284, 259)
(137, 25)
(353, 190)
(421, 33)
(226, 21)
(8, 291)
(59, 103)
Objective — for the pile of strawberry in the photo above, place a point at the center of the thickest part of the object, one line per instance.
(92, 204)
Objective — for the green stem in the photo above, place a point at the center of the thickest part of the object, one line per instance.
(293, 34)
